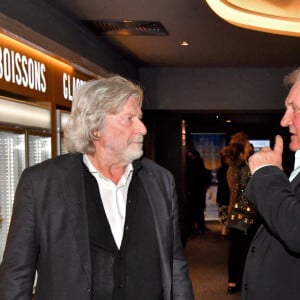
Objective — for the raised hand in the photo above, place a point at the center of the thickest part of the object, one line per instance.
(267, 156)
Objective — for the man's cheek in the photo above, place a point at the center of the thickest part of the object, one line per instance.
(297, 123)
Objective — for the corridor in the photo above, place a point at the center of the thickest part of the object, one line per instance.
(207, 258)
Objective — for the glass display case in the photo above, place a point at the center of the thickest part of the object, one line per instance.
(21, 146)
(61, 119)
(12, 163)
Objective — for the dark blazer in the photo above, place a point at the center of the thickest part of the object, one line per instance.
(272, 268)
(49, 233)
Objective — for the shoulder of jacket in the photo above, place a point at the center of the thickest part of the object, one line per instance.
(60, 160)
(151, 165)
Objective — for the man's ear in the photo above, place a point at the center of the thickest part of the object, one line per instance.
(97, 133)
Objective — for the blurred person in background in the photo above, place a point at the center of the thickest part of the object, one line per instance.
(223, 194)
(238, 174)
(198, 181)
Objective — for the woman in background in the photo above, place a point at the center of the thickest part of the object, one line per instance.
(223, 194)
(238, 174)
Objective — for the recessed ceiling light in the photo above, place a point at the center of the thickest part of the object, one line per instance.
(184, 43)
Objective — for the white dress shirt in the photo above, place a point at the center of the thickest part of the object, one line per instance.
(114, 198)
(296, 166)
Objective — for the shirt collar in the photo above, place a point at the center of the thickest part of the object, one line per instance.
(297, 159)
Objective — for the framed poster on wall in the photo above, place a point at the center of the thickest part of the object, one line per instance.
(209, 146)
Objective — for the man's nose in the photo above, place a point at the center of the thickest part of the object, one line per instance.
(285, 121)
(141, 127)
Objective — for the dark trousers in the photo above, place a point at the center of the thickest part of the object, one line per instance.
(195, 211)
(238, 248)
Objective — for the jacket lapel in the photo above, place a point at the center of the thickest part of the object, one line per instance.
(161, 219)
(74, 194)
(296, 181)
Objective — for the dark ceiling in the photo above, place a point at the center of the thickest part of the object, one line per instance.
(213, 42)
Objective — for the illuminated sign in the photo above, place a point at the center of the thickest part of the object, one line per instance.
(70, 85)
(22, 70)
(33, 74)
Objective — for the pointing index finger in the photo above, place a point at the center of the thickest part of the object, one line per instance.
(278, 147)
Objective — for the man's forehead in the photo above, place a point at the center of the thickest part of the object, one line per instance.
(131, 104)
(294, 93)
(131, 107)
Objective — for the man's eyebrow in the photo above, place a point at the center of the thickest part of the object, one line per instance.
(134, 114)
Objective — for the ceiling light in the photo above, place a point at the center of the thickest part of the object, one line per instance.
(184, 43)
(279, 17)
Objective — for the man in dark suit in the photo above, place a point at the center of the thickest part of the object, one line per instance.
(100, 222)
(272, 268)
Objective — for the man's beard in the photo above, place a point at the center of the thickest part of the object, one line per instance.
(131, 153)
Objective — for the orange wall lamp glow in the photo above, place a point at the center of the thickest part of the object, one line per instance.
(273, 16)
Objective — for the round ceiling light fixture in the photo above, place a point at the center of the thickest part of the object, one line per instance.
(278, 17)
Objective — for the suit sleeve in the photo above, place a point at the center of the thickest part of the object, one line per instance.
(17, 270)
(182, 288)
(278, 204)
